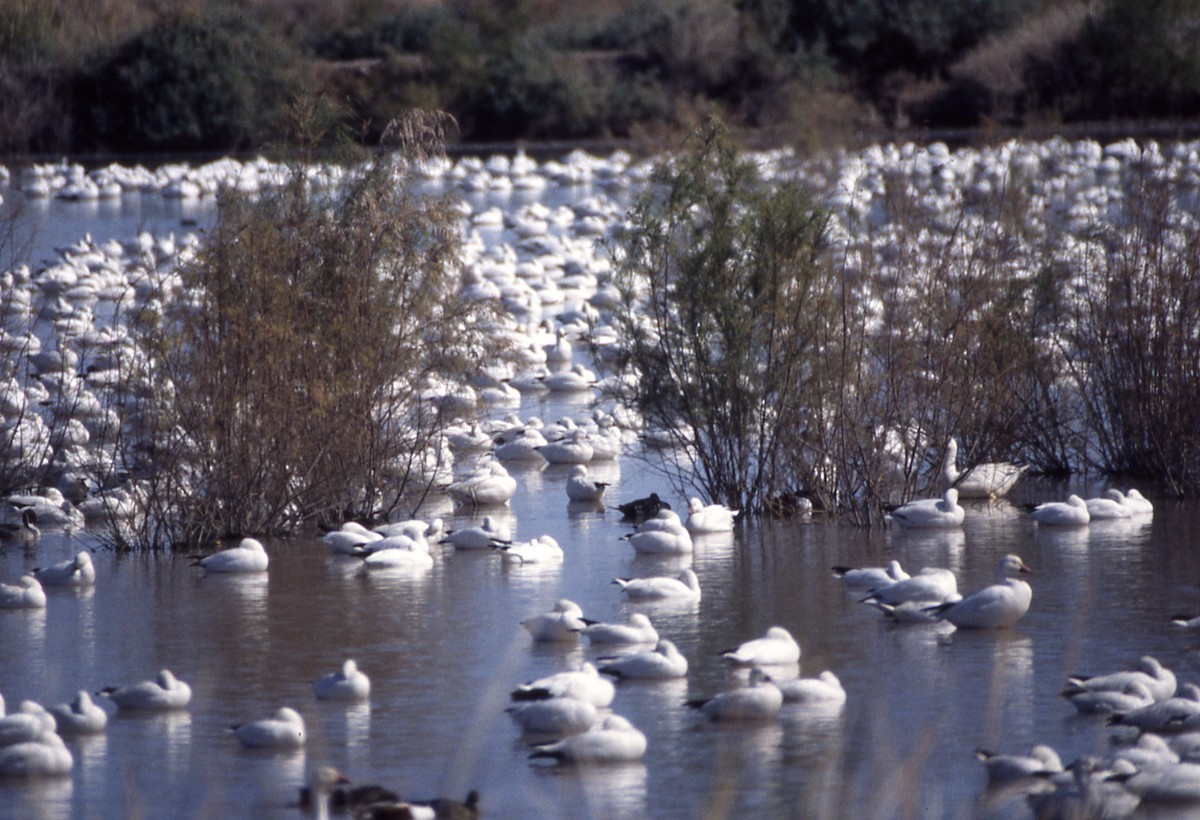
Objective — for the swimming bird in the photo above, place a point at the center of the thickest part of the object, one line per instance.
(1111, 505)
(398, 552)
(248, 556)
(1111, 701)
(24, 534)
(164, 692)
(44, 756)
(478, 538)
(1138, 504)
(709, 518)
(776, 647)
(349, 539)
(665, 661)
(760, 700)
(931, 513)
(1006, 768)
(575, 448)
(1175, 714)
(871, 577)
(637, 629)
(584, 683)
(994, 607)
(75, 572)
(932, 584)
(27, 593)
(582, 488)
(614, 740)
(662, 534)
(347, 683)
(684, 588)
(490, 485)
(1159, 680)
(825, 688)
(541, 550)
(1070, 513)
(80, 716)
(563, 623)
(987, 480)
(283, 731)
(643, 507)
(26, 724)
(554, 716)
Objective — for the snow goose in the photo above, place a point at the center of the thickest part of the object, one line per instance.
(931, 513)
(75, 572)
(347, 683)
(871, 577)
(541, 550)
(1087, 793)
(684, 588)
(283, 731)
(664, 534)
(825, 688)
(1111, 701)
(44, 756)
(709, 518)
(491, 485)
(1070, 513)
(1002, 768)
(51, 508)
(402, 552)
(80, 716)
(554, 716)
(1176, 786)
(1138, 503)
(1110, 505)
(248, 556)
(573, 449)
(988, 480)
(663, 662)
(1158, 680)
(478, 538)
(349, 538)
(24, 534)
(776, 647)
(615, 740)
(582, 488)
(27, 593)
(563, 623)
(994, 607)
(1175, 714)
(760, 700)
(26, 724)
(164, 692)
(584, 683)
(636, 630)
(934, 585)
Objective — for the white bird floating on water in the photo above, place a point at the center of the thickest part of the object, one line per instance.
(931, 513)
(663, 662)
(541, 550)
(398, 552)
(775, 648)
(163, 693)
(704, 518)
(871, 577)
(347, 683)
(932, 585)
(1180, 713)
(248, 556)
(27, 593)
(614, 740)
(1004, 768)
(349, 538)
(636, 630)
(26, 724)
(988, 480)
(80, 716)
(584, 683)
(824, 689)
(994, 607)
(662, 534)
(1138, 504)
(563, 623)
(1070, 513)
(75, 572)
(1111, 701)
(43, 756)
(283, 731)
(760, 700)
(491, 485)
(554, 716)
(478, 538)
(1110, 506)
(660, 588)
(1159, 681)
(582, 488)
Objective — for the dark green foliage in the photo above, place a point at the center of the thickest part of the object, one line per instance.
(187, 84)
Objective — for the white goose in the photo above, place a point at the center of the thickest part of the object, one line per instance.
(776, 647)
(1138, 503)
(581, 488)
(931, 513)
(615, 740)
(248, 556)
(563, 623)
(934, 585)
(1001, 768)
(554, 716)
(75, 572)
(26, 724)
(994, 607)
(478, 538)
(283, 731)
(1111, 505)
(584, 683)
(25, 594)
(684, 588)
(663, 662)
(541, 550)
(349, 538)
(80, 716)
(871, 577)
(988, 480)
(704, 518)
(1159, 681)
(164, 692)
(663, 534)
(1070, 513)
(44, 756)
(398, 552)
(489, 486)
(825, 688)
(760, 700)
(347, 683)
(637, 629)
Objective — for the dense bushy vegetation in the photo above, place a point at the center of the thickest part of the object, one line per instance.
(203, 75)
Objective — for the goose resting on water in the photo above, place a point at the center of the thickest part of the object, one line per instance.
(994, 607)
(776, 647)
(615, 740)
(348, 683)
(75, 572)
(248, 556)
(760, 700)
(988, 480)
(164, 692)
(283, 731)
(931, 513)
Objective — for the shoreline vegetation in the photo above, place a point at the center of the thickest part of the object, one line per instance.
(129, 77)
